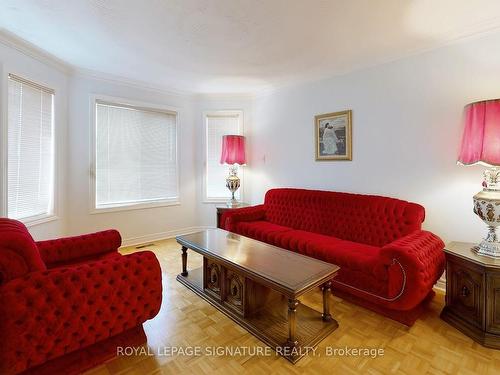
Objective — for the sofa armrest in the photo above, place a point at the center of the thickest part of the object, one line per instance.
(66, 249)
(49, 313)
(231, 217)
(415, 263)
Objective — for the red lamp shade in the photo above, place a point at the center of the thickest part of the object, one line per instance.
(233, 150)
(481, 138)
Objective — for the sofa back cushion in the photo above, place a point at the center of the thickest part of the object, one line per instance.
(369, 219)
(18, 252)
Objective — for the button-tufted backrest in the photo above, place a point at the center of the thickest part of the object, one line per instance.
(18, 252)
(369, 219)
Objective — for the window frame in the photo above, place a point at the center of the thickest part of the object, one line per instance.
(94, 99)
(241, 173)
(27, 79)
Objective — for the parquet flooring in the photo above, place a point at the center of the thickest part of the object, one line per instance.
(187, 322)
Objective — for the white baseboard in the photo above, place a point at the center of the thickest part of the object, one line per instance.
(132, 241)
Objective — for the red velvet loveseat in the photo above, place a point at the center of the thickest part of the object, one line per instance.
(66, 304)
(387, 262)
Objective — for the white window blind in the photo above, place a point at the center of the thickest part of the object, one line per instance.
(217, 125)
(136, 155)
(30, 154)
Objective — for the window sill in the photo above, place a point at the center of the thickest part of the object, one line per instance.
(131, 207)
(219, 200)
(37, 220)
(215, 201)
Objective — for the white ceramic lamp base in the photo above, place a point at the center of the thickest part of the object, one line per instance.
(487, 207)
(233, 184)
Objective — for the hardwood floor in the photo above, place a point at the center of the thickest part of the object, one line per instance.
(186, 321)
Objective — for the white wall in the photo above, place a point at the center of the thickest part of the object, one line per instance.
(406, 133)
(140, 225)
(17, 59)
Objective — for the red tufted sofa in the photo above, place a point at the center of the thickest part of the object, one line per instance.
(387, 262)
(66, 304)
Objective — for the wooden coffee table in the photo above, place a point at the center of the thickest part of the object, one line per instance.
(258, 286)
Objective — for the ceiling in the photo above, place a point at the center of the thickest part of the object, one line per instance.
(236, 46)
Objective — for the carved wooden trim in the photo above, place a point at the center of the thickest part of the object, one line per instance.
(213, 278)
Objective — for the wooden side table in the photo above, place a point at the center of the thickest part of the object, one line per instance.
(223, 208)
(473, 294)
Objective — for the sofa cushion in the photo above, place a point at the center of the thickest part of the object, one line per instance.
(345, 254)
(260, 230)
(360, 265)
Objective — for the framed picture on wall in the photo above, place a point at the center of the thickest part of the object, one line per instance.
(333, 136)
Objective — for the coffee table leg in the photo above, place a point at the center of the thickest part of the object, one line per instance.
(292, 322)
(326, 288)
(184, 261)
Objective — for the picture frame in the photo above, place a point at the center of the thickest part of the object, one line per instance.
(333, 136)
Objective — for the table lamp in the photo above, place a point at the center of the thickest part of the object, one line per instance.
(233, 154)
(481, 146)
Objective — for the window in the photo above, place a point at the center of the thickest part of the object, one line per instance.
(30, 150)
(217, 124)
(135, 155)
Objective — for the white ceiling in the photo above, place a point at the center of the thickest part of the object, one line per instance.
(240, 45)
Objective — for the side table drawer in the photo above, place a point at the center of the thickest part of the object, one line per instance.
(465, 291)
(493, 303)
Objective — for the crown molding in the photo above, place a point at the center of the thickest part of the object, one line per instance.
(13, 41)
(119, 80)
(10, 40)
(225, 96)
